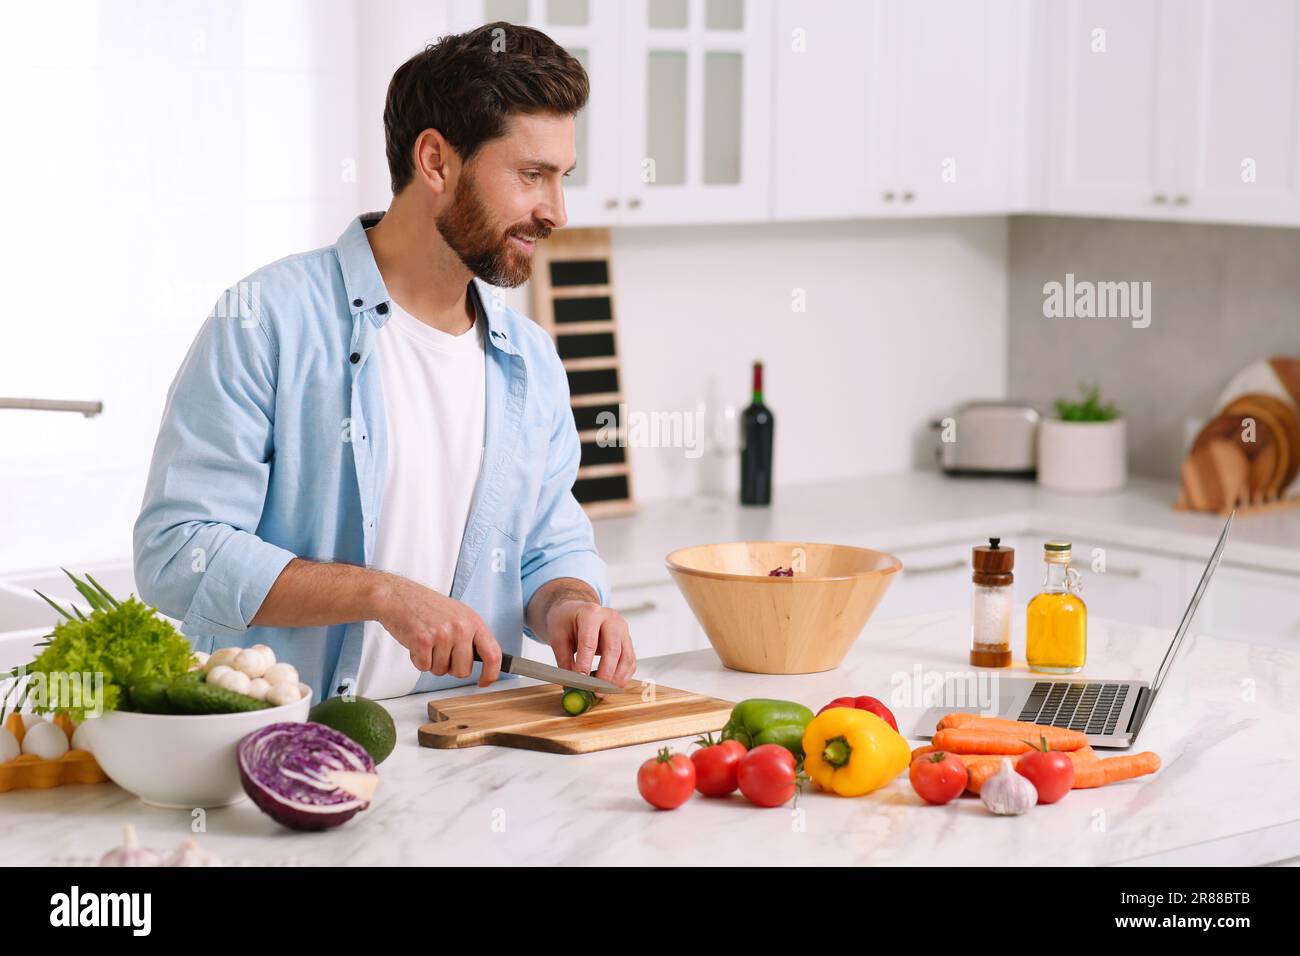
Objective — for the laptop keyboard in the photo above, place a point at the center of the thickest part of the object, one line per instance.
(1090, 708)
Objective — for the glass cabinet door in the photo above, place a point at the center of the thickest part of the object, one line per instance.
(696, 101)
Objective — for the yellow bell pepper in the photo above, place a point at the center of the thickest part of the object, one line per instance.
(850, 752)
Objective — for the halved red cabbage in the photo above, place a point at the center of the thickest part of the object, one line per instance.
(306, 776)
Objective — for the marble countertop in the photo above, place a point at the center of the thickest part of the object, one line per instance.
(925, 507)
(1227, 792)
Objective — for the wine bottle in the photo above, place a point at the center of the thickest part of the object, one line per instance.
(756, 427)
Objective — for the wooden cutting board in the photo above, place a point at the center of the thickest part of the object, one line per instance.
(530, 718)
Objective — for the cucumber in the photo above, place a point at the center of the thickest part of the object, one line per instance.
(149, 696)
(577, 701)
(190, 695)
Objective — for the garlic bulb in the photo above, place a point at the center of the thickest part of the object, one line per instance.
(131, 853)
(189, 854)
(1007, 793)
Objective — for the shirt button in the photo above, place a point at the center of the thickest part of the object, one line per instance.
(358, 303)
(382, 308)
(354, 358)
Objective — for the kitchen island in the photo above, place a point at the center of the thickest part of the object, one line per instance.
(1226, 794)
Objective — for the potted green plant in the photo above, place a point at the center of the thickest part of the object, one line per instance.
(1082, 448)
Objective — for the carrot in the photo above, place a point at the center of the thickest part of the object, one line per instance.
(980, 767)
(921, 752)
(1106, 770)
(973, 740)
(1058, 738)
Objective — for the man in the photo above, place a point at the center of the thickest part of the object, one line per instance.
(366, 461)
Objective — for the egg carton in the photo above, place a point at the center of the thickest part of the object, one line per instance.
(29, 772)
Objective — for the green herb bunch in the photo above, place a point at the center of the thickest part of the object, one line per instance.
(125, 641)
(1089, 409)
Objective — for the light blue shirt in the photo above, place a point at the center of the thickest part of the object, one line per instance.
(273, 446)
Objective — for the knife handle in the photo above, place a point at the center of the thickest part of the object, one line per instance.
(506, 661)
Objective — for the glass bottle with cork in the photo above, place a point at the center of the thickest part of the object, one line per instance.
(1056, 623)
(990, 628)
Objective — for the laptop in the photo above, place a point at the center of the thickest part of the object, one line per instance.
(1110, 712)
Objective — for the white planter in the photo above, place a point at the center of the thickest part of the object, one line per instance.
(1088, 457)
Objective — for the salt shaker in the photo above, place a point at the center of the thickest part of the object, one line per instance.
(990, 629)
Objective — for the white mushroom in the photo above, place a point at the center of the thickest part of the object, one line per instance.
(200, 661)
(225, 655)
(252, 662)
(257, 688)
(283, 694)
(234, 680)
(265, 649)
(281, 673)
(217, 673)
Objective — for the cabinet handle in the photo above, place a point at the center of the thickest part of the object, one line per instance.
(1124, 572)
(634, 203)
(908, 196)
(954, 565)
(641, 608)
(1161, 198)
(1180, 200)
(611, 203)
(889, 196)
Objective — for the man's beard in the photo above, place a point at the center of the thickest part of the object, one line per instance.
(486, 249)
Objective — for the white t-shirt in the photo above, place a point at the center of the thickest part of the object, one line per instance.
(434, 388)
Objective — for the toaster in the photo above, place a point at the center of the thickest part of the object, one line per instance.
(989, 438)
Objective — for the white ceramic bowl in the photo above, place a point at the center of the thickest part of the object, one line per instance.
(181, 761)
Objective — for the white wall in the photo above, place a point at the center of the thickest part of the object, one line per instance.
(155, 152)
(904, 320)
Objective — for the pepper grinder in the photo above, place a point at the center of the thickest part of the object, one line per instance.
(990, 628)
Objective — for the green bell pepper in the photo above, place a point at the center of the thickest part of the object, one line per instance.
(759, 721)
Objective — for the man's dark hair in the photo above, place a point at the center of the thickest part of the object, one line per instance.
(466, 85)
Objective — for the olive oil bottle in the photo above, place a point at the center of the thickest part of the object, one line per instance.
(1056, 623)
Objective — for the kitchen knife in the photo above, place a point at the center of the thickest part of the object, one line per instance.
(523, 667)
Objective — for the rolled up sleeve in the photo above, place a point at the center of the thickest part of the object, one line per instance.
(561, 543)
(197, 554)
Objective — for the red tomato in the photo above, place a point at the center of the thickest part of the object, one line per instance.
(938, 777)
(767, 775)
(715, 767)
(869, 704)
(1051, 773)
(666, 780)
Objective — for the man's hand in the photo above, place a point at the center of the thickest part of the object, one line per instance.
(440, 634)
(579, 630)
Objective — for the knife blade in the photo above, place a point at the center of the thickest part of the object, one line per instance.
(523, 667)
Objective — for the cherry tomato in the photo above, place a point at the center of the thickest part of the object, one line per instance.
(716, 765)
(869, 704)
(766, 775)
(1051, 772)
(666, 780)
(938, 777)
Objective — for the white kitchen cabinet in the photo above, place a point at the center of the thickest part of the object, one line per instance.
(1136, 587)
(895, 108)
(1248, 604)
(696, 118)
(936, 578)
(1240, 134)
(1173, 110)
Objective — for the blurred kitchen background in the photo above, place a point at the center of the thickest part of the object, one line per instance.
(869, 195)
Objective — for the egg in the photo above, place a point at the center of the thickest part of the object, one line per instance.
(81, 738)
(46, 741)
(9, 748)
(30, 720)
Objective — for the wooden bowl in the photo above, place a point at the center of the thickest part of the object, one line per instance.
(782, 625)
